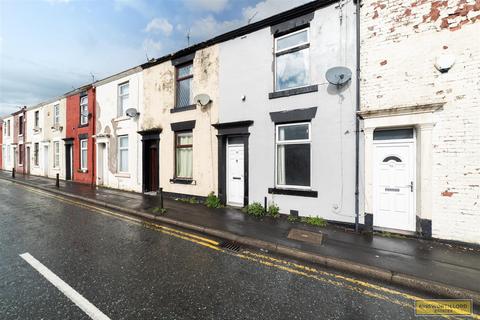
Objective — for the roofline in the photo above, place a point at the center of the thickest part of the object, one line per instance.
(23, 109)
(249, 28)
(117, 76)
(78, 90)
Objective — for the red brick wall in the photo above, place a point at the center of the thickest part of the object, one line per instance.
(74, 129)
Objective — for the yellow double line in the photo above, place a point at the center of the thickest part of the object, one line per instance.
(352, 284)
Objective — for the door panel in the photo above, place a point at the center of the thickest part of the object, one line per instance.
(393, 199)
(235, 175)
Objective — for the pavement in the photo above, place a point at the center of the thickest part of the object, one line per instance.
(128, 269)
(434, 267)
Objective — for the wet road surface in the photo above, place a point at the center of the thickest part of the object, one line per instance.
(130, 269)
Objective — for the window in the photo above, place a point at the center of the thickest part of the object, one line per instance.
(184, 83)
(293, 155)
(83, 154)
(5, 128)
(292, 60)
(183, 155)
(37, 119)
(56, 115)
(20, 125)
(35, 154)
(56, 154)
(8, 127)
(123, 96)
(123, 154)
(83, 110)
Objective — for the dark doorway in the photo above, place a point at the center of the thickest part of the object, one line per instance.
(68, 159)
(150, 161)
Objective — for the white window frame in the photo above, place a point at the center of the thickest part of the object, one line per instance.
(120, 107)
(21, 124)
(84, 162)
(56, 114)
(288, 48)
(119, 161)
(36, 120)
(83, 115)
(301, 141)
(56, 154)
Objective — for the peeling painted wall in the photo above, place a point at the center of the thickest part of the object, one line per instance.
(401, 41)
(159, 98)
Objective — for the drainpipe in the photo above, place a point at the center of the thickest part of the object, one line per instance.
(357, 121)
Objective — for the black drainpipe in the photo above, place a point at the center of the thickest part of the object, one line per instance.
(357, 121)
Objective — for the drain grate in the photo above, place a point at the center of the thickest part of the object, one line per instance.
(230, 245)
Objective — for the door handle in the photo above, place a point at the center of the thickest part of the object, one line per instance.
(411, 186)
(237, 178)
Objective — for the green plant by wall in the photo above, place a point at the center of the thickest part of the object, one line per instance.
(213, 201)
(191, 200)
(158, 210)
(292, 218)
(273, 210)
(255, 209)
(315, 221)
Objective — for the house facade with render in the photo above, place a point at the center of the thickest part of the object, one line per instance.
(420, 104)
(285, 135)
(118, 143)
(53, 148)
(79, 135)
(34, 140)
(19, 139)
(179, 144)
(7, 143)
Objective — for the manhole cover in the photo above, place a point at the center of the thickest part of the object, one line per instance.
(305, 236)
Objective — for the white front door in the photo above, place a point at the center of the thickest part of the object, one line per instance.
(393, 179)
(235, 174)
(100, 163)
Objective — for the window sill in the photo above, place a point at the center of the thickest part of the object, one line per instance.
(56, 169)
(82, 171)
(183, 181)
(121, 118)
(122, 175)
(292, 92)
(294, 192)
(181, 109)
(83, 125)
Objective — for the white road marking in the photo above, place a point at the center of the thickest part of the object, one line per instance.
(61, 285)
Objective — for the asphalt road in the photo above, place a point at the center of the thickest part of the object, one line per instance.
(133, 270)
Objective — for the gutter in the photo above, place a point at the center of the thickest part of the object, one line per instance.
(357, 120)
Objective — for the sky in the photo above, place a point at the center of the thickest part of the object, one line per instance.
(49, 47)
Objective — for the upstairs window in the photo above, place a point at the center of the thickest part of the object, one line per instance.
(8, 128)
(184, 86)
(37, 119)
(20, 125)
(123, 98)
(184, 155)
(293, 155)
(56, 115)
(83, 110)
(292, 60)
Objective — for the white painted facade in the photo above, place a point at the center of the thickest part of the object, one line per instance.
(247, 76)
(7, 140)
(402, 88)
(35, 138)
(111, 127)
(54, 115)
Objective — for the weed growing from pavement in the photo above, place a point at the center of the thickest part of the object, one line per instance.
(158, 210)
(254, 209)
(213, 201)
(292, 218)
(191, 200)
(315, 221)
(273, 210)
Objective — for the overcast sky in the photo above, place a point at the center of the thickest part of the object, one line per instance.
(48, 47)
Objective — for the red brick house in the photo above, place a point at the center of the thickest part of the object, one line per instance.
(20, 153)
(79, 140)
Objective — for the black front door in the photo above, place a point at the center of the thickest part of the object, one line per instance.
(150, 165)
(68, 162)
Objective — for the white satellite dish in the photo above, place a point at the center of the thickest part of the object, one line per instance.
(202, 99)
(338, 75)
(132, 112)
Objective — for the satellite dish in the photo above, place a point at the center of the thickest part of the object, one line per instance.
(132, 112)
(202, 99)
(338, 75)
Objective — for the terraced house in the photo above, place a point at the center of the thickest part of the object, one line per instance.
(35, 127)
(20, 151)
(7, 143)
